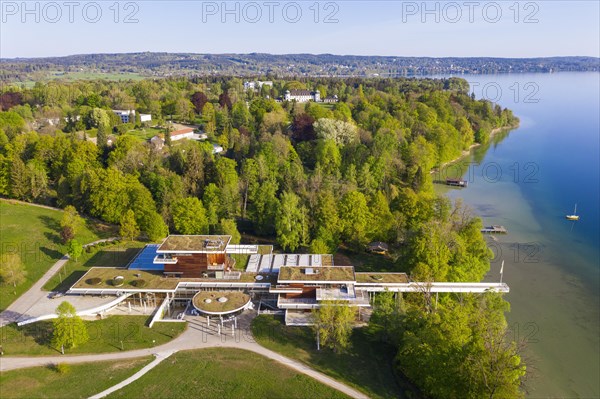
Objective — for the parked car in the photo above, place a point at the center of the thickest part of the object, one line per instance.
(55, 294)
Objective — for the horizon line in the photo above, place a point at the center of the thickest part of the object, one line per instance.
(300, 53)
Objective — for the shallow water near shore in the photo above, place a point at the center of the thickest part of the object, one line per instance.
(527, 180)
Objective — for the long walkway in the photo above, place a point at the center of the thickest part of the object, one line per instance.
(196, 336)
(20, 307)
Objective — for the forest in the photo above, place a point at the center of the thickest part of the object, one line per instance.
(311, 176)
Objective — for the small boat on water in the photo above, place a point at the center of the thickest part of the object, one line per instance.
(574, 216)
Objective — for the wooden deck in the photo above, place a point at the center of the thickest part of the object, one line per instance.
(495, 229)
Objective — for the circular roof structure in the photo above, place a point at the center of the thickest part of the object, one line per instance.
(220, 302)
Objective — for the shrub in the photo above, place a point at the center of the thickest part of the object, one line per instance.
(93, 281)
(139, 283)
(62, 368)
(117, 281)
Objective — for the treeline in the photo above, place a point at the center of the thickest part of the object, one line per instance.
(312, 175)
(283, 65)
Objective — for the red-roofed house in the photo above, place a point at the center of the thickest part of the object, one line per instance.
(186, 133)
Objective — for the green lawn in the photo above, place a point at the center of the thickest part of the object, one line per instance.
(80, 381)
(241, 261)
(224, 373)
(105, 255)
(33, 232)
(105, 336)
(145, 133)
(367, 366)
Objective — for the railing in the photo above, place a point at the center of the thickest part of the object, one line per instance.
(285, 289)
(331, 294)
(163, 259)
(232, 275)
(298, 300)
(297, 303)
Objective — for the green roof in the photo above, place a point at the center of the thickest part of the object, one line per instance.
(323, 273)
(194, 243)
(220, 301)
(104, 278)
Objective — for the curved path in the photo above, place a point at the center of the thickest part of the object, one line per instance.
(19, 308)
(196, 336)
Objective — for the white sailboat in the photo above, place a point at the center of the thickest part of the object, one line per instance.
(574, 216)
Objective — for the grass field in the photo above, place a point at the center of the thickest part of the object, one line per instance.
(33, 232)
(145, 133)
(224, 373)
(367, 366)
(106, 335)
(109, 255)
(80, 381)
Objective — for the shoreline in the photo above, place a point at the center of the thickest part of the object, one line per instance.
(466, 152)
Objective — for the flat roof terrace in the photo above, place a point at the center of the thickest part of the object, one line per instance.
(194, 244)
(342, 274)
(105, 278)
(220, 302)
(131, 279)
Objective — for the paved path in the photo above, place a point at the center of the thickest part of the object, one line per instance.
(159, 358)
(196, 336)
(20, 307)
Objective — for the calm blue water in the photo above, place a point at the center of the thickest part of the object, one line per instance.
(527, 180)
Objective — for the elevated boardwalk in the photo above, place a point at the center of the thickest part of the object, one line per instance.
(477, 288)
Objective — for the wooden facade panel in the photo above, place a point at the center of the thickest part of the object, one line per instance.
(189, 266)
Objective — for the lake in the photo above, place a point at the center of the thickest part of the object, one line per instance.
(527, 180)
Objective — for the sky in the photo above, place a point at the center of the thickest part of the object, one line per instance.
(397, 28)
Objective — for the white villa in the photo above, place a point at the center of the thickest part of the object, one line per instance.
(302, 96)
(125, 115)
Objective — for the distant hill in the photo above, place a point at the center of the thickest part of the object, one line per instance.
(257, 64)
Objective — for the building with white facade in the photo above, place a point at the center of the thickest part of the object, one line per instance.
(257, 84)
(302, 96)
(186, 133)
(128, 116)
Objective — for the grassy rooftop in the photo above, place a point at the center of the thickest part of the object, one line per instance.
(209, 301)
(205, 243)
(103, 278)
(333, 273)
(374, 277)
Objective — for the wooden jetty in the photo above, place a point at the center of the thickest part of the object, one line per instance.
(495, 229)
(457, 182)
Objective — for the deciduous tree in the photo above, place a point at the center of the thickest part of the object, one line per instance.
(288, 221)
(69, 330)
(129, 228)
(189, 216)
(74, 249)
(12, 270)
(333, 324)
